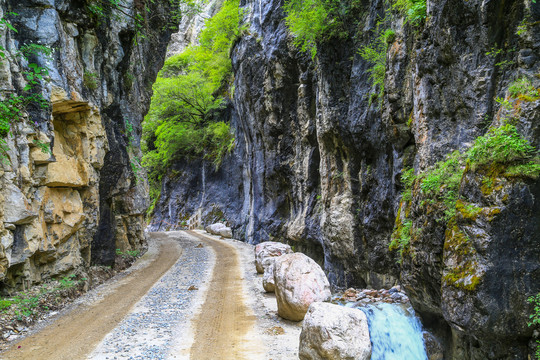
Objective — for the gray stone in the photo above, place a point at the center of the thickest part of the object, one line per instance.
(333, 332)
(264, 252)
(16, 206)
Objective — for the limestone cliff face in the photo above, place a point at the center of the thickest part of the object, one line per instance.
(316, 165)
(76, 205)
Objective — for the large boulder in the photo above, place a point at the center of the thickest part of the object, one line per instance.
(299, 281)
(267, 250)
(333, 332)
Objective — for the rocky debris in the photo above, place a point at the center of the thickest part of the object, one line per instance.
(299, 281)
(393, 295)
(333, 332)
(267, 250)
(275, 330)
(268, 276)
(219, 229)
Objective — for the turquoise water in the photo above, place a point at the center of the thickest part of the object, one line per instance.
(396, 333)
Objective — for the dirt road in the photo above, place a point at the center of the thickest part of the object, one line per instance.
(207, 304)
(74, 335)
(225, 328)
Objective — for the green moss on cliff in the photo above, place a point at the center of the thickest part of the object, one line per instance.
(461, 260)
(435, 193)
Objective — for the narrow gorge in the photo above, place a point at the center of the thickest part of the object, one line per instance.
(396, 143)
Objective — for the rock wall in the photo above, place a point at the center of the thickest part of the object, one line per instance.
(318, 165)
(76, 205)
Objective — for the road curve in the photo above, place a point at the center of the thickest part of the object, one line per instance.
(76, 333)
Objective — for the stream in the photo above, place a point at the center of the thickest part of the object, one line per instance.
(395, 331)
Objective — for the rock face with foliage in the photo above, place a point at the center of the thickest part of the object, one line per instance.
(75, 82)
(401, 146)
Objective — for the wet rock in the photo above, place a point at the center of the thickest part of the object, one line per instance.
(333, 332)
(267, 250)
(299, 281)
(434, 348)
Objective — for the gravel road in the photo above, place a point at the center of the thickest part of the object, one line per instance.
(191, 296)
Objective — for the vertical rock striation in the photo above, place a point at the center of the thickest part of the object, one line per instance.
(76, 205)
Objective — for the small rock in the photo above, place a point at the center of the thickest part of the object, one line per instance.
(268, 277)
(193, 287)
(276, 330)
(214, 228)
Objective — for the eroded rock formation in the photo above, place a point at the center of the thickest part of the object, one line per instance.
(76, 205)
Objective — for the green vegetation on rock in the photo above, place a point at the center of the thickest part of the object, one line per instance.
(14, 106)
(375, 53)
(312, 21)
(502, 151)
(415, 11)
(535, 319)
(184, 118)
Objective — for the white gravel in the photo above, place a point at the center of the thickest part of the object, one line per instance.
(159, 326)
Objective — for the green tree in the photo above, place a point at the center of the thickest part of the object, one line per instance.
(183, 121)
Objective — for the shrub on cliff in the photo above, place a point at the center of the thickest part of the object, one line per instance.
(314, 21)
(502, 151)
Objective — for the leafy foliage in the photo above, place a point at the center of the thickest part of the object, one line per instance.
(414, 10)
(183, 121)
(312, 21)
(535, 319)
(90, 80)
(502, 145)
(375, 53)
(523, 88)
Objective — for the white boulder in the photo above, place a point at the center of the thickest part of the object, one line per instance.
(299, 281)
(226, 232)
(215, 228)
(333, 332)
(267, 250)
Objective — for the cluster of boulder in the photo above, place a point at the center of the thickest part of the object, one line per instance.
(363, 297)
(302, 292)
(219, 229)
(296, 279)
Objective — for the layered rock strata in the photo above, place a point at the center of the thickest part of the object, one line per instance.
(71, 188)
